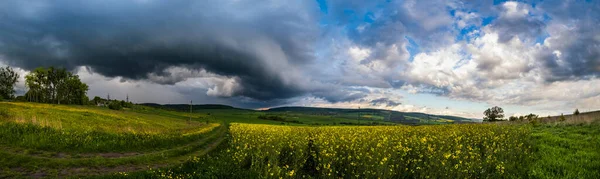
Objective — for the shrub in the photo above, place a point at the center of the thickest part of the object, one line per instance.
(273, 118)
(115, 106)
(126, 104)
(20, 99)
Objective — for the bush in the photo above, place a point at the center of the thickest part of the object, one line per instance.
(126, 104)
(278, 118)
(272, 118)
(115, 106)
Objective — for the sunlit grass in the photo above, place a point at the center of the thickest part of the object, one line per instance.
(96, 119)
(62, 128)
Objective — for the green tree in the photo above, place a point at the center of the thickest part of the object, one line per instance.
(531, 117)
(98, 100)
(115, 105)
(52, 85)
(493, 114)
(37, 83)
(576, 112)
(8, 79)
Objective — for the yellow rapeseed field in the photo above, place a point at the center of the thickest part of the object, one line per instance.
(448, 151)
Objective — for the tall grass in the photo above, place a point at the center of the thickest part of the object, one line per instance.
(30, 136)
(88, 118)
(80, 129)
(566, 150)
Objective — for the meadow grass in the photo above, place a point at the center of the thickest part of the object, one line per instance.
(150, 158)
(55, 140)
(30, 136)
(91, 118)
(84, 129)
(566, 151)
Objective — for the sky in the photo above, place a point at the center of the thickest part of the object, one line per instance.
(452, 57)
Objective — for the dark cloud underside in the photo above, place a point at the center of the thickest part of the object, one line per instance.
(132, 40)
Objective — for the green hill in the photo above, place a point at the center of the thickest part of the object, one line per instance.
(46, 140)
(374, 115)
(186, 107)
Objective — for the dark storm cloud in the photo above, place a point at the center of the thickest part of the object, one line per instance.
(336, 96)
(385, 101)
(262, 44)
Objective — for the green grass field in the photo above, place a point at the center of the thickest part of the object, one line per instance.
(44, 140)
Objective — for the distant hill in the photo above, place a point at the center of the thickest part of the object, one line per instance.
(186, 107)
(373, 115)
(411, 118)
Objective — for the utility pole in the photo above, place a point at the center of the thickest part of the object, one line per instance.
(127, 98)
(190, 110)
(358, 116)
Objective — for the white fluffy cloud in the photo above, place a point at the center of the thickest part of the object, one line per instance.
(496, 72)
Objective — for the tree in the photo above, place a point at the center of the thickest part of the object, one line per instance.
(115, 105)
(8, 79)
(513, 118)
(97, 100)
(20, 99)
(531, 117)
(493, 114)
(51, 85)
(576, 112)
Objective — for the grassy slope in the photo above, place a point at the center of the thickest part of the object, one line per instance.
(90, 118)
(58, 140)
(249, 116)
(372, 115)
(328, 116)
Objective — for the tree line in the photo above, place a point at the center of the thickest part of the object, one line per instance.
(53, 85)
(45, 85)
(497, 114)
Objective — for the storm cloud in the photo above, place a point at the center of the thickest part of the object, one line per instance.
(264, 47)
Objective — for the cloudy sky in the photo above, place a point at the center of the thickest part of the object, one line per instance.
(441, 57)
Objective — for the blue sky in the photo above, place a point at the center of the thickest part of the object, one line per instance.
(447, 57)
